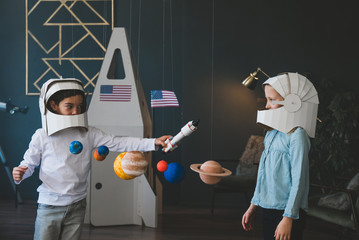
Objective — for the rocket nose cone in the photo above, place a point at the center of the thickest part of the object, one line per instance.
(195, 123)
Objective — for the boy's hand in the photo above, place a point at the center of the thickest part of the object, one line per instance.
(161, 140)
(18, 172)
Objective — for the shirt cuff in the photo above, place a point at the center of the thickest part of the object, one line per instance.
(290, 216)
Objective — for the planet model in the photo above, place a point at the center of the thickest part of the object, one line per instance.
(162, 166)
(210, 172)
(103, 150)
(97, 156)
(101, 153)
(129, 165)
(75, 147)
(174, 173)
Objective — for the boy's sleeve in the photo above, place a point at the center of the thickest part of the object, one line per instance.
(32, 156)
(121, 144)
(299, 150)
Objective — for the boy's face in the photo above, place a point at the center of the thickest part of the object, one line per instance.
(272, 95)
(69, 106)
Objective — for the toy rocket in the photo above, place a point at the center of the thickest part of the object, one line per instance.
(188, 129)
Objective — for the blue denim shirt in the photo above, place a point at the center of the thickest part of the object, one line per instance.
(283, 173)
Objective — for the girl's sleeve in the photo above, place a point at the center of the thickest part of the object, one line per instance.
(298, 152)
(256, 196)
(32, 156)
(121, 144)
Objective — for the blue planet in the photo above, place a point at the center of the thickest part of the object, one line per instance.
(174, 173)
(75, 147)
(103, 151)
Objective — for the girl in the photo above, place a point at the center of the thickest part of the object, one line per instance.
(283, 175)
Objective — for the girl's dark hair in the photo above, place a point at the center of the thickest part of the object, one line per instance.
(62, 94)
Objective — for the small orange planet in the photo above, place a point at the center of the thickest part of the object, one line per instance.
(101, 153)
(129, 165)
(210, 172)
(97, 156)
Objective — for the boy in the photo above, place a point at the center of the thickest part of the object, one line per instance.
(62, 194)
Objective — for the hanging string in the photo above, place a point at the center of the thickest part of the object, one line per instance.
(104, 28)
(172, 57)
(139, 37)
(130, 19)
(171, 30)
(212, 78)
(163, 41)
(163, 51)
(72, 43)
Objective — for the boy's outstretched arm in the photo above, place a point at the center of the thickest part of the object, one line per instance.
(18, 173)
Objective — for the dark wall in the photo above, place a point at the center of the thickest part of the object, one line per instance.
(201, 50)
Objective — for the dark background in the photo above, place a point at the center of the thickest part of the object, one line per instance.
(201, 50)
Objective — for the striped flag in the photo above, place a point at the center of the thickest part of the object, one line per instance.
(163, 98)
(115, 93)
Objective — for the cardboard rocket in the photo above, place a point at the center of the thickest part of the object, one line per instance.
(118, 107)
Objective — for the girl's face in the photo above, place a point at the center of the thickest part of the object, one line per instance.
(272, 95)
(69, 106)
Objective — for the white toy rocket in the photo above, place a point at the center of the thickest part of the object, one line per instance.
(188, 129)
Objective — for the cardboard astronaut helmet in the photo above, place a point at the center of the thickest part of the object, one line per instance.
(53, 122)
(300, 104)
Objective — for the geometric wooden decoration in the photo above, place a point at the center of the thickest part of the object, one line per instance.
(66, 38)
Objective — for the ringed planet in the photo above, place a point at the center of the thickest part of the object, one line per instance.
(210, 172)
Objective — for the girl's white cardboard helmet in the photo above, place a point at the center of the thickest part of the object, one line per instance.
(300, 104)
(53, 122)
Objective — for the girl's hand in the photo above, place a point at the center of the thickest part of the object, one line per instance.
(248, 216)
(161, 140)
(18, 172)
(284, 229)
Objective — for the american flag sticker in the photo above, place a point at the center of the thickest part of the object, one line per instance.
(115, 93)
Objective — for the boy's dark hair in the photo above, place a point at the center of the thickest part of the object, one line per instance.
(62, 94)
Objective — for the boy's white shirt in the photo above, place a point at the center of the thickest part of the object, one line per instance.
(63, 174)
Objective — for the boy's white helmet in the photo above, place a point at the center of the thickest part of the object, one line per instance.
(300, 104)
(53, 122)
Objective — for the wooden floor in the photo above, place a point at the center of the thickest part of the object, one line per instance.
(176, 222)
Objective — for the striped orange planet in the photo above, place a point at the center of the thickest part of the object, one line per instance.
(129, 165)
